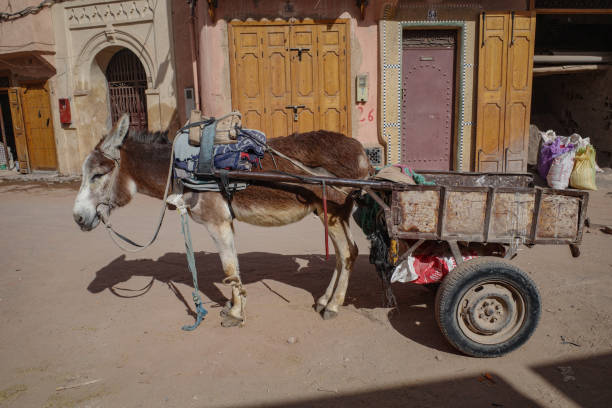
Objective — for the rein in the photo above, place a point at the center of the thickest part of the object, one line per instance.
(117, 237)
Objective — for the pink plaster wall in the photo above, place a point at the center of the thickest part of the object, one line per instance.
(33, 32)
(215, 86)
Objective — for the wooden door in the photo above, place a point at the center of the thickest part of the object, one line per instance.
(39, 127)
(518, 91)
(277, 81)
(504, 91)
(19, 133)
(492, 67)
(428, 78)
(290, 78)
(305, 77)
(248, 81)
(332, 77)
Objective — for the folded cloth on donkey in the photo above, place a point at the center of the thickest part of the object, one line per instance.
(242, 155)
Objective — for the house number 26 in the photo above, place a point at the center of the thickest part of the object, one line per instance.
(370, 117)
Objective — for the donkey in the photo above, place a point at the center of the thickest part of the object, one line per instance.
(121, 165)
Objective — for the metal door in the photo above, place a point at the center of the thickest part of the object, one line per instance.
(428, 79)
(127, 82)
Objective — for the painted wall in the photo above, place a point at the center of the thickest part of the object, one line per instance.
(213, 57)
(33, 32)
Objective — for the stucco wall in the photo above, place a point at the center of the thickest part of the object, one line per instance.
(33, 32)
(214, 71)
(87, 34)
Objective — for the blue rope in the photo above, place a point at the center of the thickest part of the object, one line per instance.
(200, 311)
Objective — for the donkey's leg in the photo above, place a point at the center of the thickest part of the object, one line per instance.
(346, 253)
(211, 211)
(323, 300)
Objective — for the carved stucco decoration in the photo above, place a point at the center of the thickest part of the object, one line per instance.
(109, 13)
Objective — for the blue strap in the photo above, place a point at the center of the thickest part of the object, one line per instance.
(200, 311)
(205, 160)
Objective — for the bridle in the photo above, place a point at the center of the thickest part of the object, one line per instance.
(104, 215)
(108, 191)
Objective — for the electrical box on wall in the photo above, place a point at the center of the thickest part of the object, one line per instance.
(189, 100)
(361, 88)
(64, 111)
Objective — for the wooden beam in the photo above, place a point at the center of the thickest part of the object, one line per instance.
(568, 69)
(573, 11)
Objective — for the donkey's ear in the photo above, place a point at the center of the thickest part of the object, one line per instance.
(117, 134)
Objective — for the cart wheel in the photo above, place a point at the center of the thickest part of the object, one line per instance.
(487, 307)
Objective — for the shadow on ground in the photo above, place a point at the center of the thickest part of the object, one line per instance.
(414, 318)
(464, 391)
(583, 381)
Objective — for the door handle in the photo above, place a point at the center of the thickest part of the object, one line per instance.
(295, 110)
(299, 50)
(512, 31)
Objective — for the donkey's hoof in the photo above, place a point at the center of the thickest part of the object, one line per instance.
(231, 321)
(329, 314)
(319, 307)
(226, 308)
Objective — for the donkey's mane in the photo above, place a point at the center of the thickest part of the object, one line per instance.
(145, 137)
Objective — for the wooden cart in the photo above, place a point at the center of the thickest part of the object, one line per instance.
(485, 307)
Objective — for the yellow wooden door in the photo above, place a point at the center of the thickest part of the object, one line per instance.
(518, 91)
(290, 78)
(39, 127)
(305, 78)
(248, 90)
(492, 62)
(18, 129)
(505, 67)
(277, 81)
(332, 77)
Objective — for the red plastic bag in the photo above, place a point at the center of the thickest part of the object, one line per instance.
(424, 268)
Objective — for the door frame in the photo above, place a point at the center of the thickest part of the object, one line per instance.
(349, 76)
(22, 86)
(455, 86)
(459, 85)
(391, 85)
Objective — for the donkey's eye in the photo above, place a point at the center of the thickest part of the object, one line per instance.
(96, 176)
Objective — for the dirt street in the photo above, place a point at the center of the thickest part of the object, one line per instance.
(84, 325)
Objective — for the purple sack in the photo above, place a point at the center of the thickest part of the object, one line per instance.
(548, 152)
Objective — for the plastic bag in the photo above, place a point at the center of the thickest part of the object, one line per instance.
(549, 151)
(560, 170)
(425, 268)
(583, 174)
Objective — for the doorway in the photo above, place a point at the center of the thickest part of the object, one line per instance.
(127, 82)
(38, 126)
(428, 98)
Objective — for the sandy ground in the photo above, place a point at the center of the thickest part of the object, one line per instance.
(75, 311)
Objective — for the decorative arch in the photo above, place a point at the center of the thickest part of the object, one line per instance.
(106, 39)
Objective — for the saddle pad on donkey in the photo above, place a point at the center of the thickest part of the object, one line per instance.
(242, 155)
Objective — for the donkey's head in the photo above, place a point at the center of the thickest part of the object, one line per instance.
(101, 183)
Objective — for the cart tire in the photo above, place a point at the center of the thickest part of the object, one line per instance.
(486, 307)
